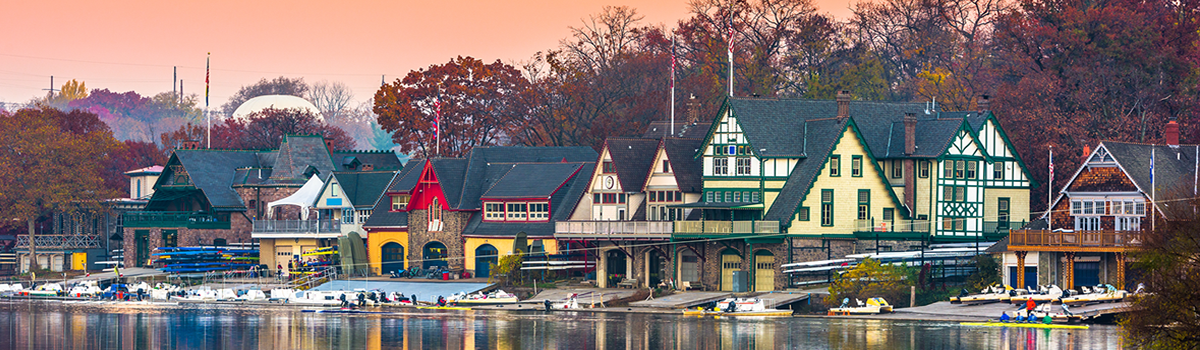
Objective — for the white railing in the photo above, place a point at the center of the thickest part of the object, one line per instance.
(643, 229)
(725, 227)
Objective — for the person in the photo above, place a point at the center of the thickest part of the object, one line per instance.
(343, 299)
(1030, 304)
(1140, 288)
(441, 301)
(362, 300)
(1004, 316)
(546, 303)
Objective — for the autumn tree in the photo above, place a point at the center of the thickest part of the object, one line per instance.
(479, 106)
(265, 129)
(331, 98)
(126, 156)
(1164, 317)
(52, 160)
(70, 91)
(871, 279)
(278, 86)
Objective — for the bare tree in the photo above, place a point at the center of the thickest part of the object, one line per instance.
(332, 98)
(604, 37)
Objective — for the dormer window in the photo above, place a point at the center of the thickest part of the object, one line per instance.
(493, 211)
(400, 202)
(608, 167)
(517, 211)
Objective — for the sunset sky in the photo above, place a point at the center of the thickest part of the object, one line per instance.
(125, 45)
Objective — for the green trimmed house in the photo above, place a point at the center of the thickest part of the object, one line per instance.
(790, 180)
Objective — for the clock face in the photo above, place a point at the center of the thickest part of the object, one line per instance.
(609, 182)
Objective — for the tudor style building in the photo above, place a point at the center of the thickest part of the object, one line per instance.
(799, 180)
(1099, 214)
(213, 197)
(464, 213)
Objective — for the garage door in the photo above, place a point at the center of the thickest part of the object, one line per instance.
(730, 262)
(764, 271)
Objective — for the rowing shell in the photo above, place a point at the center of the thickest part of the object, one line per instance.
(1023, 325)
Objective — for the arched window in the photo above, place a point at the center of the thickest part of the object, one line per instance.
(435, 210)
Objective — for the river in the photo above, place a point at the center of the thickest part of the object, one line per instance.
(54, 325)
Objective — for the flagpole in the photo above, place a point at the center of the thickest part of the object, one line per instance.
(730, 51)
(672, 85)
(207, 117)
(1050, 194)
(1153, 189)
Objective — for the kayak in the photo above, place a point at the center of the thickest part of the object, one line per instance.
(763, 313)
(443, 308)
(1023, 325)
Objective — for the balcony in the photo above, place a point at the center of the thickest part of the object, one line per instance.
(615, 230)
(45, 241)
(725, 228)
(183, 219)
(1079, 241)
(296, 229)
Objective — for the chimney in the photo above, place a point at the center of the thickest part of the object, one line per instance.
(329, 144)
(910, 133)
(985, 103)
(1087, 151)
(843, 103)
(368, 167)
(1171, 133)
(190, 144)
(693, 111)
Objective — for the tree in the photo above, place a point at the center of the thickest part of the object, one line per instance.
(52, 160)
(70, 91)
(871, 279)
(265, 129)
(331, 98)
(130, 155)
(1166, 317)
(277, 86)
(479, 106)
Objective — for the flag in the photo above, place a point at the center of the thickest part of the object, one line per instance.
(437, 111)
(673, 61)
(207, 64)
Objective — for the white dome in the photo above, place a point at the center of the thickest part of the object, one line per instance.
(274, 101)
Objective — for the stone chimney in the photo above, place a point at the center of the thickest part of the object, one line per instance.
(1087, 151)
(368, 167)
(843, 104)
(1171, 133)
(190, 144)
(985, 103)
(910, 133)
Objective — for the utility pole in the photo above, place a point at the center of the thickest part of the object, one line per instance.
(51, 89)
(175, 84)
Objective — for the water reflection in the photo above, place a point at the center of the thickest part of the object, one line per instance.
(54, 325)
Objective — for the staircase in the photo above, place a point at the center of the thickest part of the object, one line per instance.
(312, 280)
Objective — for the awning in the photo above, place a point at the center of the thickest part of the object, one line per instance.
(719, 205)
(303, 198)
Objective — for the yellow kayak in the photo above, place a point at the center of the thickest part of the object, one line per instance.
(1023, 325)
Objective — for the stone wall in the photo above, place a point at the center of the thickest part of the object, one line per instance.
(451, 235)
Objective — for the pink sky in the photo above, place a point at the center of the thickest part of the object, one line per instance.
(127, 45)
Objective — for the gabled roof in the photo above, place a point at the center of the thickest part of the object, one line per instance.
(150, 170)
(531, 180)
(684, 163)
(659, 129)
(562, 203)
(823, 134)
(471, 183)
(299, 153)
(402, 181)
(632, 159)
(1174, 173)
(451, 177)
(932, 138)
(212, 172)
(771, 125)
(363, 188)
(381, 160)
(407, 178)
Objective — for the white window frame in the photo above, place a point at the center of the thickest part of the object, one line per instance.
(721, 166)
(493, 211)
(400, 205)
(539, 211)
(743, 166)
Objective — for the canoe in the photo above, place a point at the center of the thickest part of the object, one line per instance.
(1024, 325)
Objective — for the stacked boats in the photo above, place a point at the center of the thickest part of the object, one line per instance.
(871, 307)
(189, 260)
(492, 298)
(1051, 294)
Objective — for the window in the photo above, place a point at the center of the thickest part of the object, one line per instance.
(720, 166)
(653, 196)
(960, 194)
(864, 204)
(998, 171)
(708, 196)
(743, 166)
(728, 196)
(363, 215)
(947, 193)
(947, 224)
(856, 166)
(399, 202)
(608, 167)
(948, 169)
(517, 211)
(959, 169)
(621, 198)
(596, 198)
(435, 211)
(835, 166)
(826, 207)
(755, 197)
(924, 173)
(802, 214)
(897, 169)
(493, 211)
(1087, 207)
(737, 196)
(971, 167)
(348, 216)
(666, 166)
(889, 214)
(1128, 223)
(1087, 223)
(1002, 212)
(960, 224)
(539, 211)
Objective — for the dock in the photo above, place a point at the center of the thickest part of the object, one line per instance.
(682, 300)
(945, 311)
(774, 300)
(583, 296)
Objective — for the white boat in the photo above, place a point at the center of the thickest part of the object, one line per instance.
(1101, 294)
(570, 304)
(45, 290)
(85, 289)
(739, 307)
(496, 297)
(992, 294)
(872, 306)
(252, 295)
(1044, 294)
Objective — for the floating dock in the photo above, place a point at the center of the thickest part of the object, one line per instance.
(682, 300)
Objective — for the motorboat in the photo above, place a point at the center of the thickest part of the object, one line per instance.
(871, 307)
(993, 294)
(45, 290)
(739, 307)
(251, 295)
(496, 297)
(1044, 294)
(1101, 294)
(85, 289)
